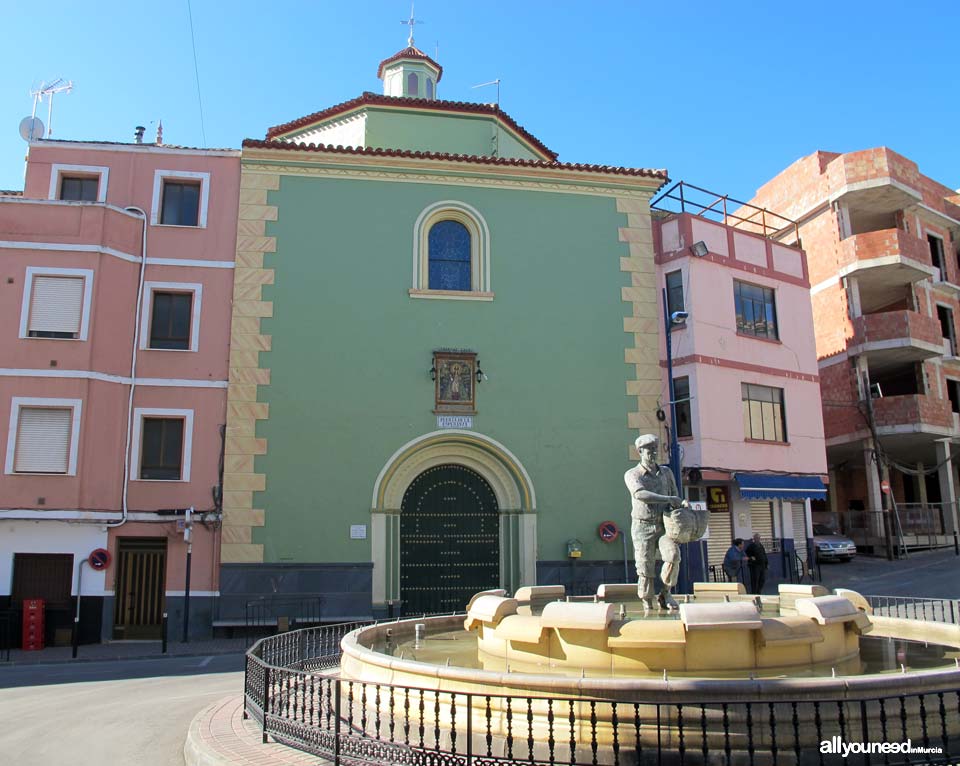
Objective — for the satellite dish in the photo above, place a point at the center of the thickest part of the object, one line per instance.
(31, 128)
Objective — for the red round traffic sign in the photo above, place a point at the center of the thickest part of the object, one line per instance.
(99, 559)
(608, 531)
(885, 487)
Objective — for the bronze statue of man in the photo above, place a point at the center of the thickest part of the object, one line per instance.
(653, 491)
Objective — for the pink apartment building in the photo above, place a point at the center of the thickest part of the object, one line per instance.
(882, 242)
(117, 279)
(746, 379)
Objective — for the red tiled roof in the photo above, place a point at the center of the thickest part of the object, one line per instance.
(375, 99)
(409, 53)
(10, 193)
(253, 143)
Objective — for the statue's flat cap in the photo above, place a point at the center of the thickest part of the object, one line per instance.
(646, 439)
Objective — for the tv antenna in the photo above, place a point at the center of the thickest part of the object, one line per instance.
(495, 138)
(49, 90)
(492, 82)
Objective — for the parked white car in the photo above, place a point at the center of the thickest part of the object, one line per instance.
(831, 546)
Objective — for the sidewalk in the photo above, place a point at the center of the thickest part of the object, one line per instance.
(219, 736)
(125, 650)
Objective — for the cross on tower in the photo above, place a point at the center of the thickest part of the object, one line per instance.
(410, 23)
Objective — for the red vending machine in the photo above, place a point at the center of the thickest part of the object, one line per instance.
(33, 610)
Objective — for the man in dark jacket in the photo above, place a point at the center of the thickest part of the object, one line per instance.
(758, 564)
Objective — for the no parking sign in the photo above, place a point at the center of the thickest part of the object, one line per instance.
(608, 531)
(99, 559)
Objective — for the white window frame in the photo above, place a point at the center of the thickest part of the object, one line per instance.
(159, 176)
(149, 288)
(470, 217)
(20, 402)
(139, 413)
(46, 271)
(58, 171)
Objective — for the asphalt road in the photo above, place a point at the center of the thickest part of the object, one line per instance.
(927, 574)
(113, 713)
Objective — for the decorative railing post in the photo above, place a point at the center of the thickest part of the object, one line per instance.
(246, 676)
(336, 723)
(469, 729)
(267, 681)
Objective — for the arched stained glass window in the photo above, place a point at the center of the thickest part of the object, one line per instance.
(449, 256)
(413, 85)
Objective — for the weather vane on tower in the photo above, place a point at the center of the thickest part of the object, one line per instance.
(410, 23)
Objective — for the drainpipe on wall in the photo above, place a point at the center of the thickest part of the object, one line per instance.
(133, 370)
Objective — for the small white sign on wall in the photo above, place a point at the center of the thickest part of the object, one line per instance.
(358, 531)
(454, 421)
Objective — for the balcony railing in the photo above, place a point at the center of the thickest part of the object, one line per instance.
(897, 325)
(913, 410)
(873, 245)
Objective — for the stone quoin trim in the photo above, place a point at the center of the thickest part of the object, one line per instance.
(240, 479)
(643, 324)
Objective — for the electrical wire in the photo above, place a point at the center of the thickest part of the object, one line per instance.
(196, 72)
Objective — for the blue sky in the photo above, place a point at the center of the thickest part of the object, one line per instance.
(722, 94)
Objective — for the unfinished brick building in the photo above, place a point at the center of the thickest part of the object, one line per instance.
(882, 248)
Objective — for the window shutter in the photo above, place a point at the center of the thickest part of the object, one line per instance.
(798, 512)
(57, 304)
(761, 519)
(43, 440)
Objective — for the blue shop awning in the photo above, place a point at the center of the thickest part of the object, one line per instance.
(774, 486)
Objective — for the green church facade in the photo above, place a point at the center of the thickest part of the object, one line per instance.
(363, 393)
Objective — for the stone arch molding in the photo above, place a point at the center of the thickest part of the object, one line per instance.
(469, 216)
(503, 471)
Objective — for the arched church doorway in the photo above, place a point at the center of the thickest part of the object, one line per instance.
(449, 539)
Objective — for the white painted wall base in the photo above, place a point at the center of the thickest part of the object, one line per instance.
(52, 537)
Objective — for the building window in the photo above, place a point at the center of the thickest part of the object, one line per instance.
(180, 198)
(170, 323)
(162, 444)
(756, 310)
(80, 188)
(162, 449)
(674, 291)
(171, 316)
(764, 417)
(84, 183)
(413, 85)
(181, 204)
(56, 303)
(953, 392)
(936, 255)
(945, 316)
(681, 398)
(429, 87)
(43, 436)
(451, 253)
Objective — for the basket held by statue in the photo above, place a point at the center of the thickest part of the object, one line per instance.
(686, 524)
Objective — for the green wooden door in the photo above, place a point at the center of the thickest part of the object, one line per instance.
(449, 540)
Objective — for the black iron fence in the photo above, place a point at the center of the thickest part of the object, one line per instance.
(294, 693)
(907, 607)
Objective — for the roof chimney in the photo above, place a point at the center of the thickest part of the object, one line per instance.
(138, 134)
(159, 132)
